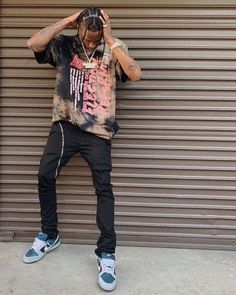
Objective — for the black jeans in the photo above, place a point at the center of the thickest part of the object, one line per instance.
(64, 141)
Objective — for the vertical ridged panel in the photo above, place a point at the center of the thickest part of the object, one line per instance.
(174, 159)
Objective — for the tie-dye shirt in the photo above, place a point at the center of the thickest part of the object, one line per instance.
(85, 97)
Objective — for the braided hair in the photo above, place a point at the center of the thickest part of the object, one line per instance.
(90, 18)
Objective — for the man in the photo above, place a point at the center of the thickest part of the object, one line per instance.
(83, 121)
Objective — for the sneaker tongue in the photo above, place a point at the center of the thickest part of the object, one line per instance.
(107, 256)
(42, 236)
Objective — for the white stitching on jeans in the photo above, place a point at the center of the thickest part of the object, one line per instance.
(62, 148)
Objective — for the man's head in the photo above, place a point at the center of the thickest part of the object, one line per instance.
(90, 27)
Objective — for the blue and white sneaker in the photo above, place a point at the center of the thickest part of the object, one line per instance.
(41, 246)
(107, 276)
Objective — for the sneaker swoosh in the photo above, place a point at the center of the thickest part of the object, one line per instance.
(45, 248)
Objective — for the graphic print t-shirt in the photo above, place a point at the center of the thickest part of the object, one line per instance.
(85, 97)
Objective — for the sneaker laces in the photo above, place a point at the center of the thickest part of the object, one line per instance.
(108, 266)
(38, 244)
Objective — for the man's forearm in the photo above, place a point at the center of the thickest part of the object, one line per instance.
(39, 41)
(129, 65)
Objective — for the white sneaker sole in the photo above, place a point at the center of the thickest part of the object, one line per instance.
(106, 287)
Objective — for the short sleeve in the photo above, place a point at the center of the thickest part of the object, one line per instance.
(51, 52)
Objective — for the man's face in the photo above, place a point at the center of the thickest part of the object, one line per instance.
(90, 39)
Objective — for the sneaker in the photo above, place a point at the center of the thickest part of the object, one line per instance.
(106, 266)
(40, 247)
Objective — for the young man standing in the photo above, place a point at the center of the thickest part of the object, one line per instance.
(83, 121)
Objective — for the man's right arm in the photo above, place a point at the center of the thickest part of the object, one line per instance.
(39, 41)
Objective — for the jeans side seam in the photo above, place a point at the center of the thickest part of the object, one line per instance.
(62, 148)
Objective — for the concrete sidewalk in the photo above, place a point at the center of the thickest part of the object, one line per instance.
(71, 270)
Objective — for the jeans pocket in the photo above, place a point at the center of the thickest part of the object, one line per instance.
(54, 128)
(108, 142)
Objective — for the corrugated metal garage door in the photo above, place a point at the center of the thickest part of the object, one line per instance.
(174, 158)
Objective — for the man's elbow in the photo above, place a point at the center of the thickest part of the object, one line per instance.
(34, 47)
(137, 76)
(29, 44)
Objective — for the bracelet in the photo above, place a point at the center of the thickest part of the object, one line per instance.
(114, 45)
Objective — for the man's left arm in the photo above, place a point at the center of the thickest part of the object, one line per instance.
(128, 64)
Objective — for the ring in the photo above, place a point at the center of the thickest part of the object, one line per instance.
(104, 26)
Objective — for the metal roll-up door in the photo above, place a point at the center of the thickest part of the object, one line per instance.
(174, 161)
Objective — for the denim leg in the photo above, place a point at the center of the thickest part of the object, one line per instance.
(56, 155)
(97, 152)
(105, 211)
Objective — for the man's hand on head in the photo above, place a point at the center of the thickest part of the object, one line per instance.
(106, 28)
(73, 20)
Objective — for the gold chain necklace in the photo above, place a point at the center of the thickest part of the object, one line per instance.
(89, 64)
